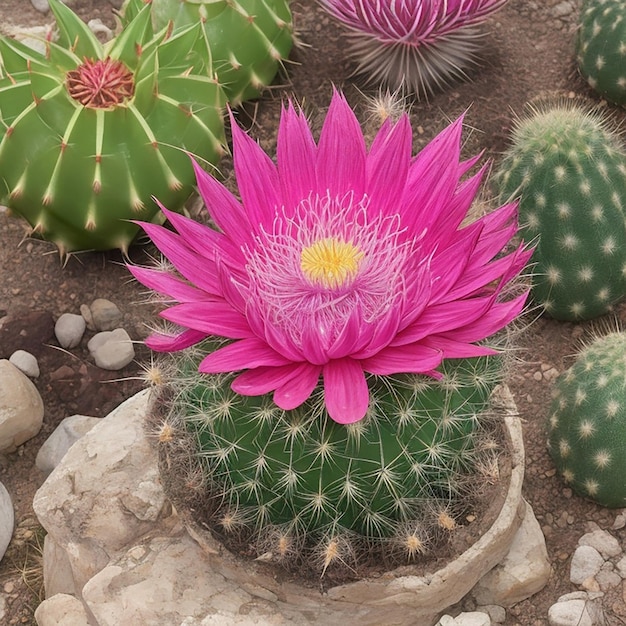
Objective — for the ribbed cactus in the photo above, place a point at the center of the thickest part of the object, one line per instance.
(601, 47)
(587, 423)
(246, 41)
(91, 133)
(569, 169)
(302, 487)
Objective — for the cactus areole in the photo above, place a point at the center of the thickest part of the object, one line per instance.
(100, 84)
(93, 132)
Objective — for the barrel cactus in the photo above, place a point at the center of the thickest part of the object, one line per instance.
(348, 406)
(91, 132)
(600, 47)
(569, 169)
(587, 423)
(415, 45)
(245, 41)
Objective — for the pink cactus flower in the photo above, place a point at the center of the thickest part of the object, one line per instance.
(337, 262)
(414, 45)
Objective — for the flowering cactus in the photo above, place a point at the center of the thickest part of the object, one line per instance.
(340, 286)
(92, 132)
(415, 45)
(246, 41)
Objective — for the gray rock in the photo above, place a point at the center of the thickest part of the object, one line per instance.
(576, 609)
(62, 610)
(104, 314)
(112, 350)
(603, 541)
(41, 5)
(21, 408)
(69, 330)
(68, 432)
(586, 563)
(495, 612)
(7, 520)
(26, 363)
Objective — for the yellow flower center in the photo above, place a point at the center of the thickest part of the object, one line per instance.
(330, 262)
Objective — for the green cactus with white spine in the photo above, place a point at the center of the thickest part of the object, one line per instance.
(601, 47)
(246, 41)
(91, 132)
(587, 422)
(303, 488)
(569, 171)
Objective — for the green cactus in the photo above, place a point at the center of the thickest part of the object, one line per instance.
(304, 487)
(91, 133)
(569, 171)
(587, 423)
(601, 47)
(245, 40)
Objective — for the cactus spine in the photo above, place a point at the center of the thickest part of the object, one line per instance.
(601, 47)
(569, 170)
(300, 486)
(245, 41)
(587, 423)
(90, 133)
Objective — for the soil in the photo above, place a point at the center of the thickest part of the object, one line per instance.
(529, 51)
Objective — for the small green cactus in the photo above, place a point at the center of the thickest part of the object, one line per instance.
(90, 134)
(587, 423)
(569, 171)
(303, 488)
(601, 47)
(246, 41)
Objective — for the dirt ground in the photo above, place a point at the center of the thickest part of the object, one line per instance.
(529, 51)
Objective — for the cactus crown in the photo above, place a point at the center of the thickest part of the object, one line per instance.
(569, 170)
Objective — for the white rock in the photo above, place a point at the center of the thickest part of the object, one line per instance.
(68, 432)
(525, 570)
(41, 5)
(608, 578)
(105, 314)
(473, 618)
(69, 330)
(32, 36)
(62, 610)
(57, 569)
(21, 408)
(621, 567)
(7, 520)
(575, 612)
(586, 562)
(604, 542)
(26, 363)
(112, 350)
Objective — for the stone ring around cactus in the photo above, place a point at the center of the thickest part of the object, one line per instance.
(93, 131)
(347, 392)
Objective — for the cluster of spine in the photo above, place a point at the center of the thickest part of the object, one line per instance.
(246, 41)
(587, 423)
(90, 133)
(306, 490)
(569, 171)
(601, 47)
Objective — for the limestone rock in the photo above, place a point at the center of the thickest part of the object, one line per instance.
(26, 363)
(524, 571)
(105, 315)
(112, 350)
(586, 562)
(62, 610)
(69, 330)
(21, 408)
(576, 609)
(603, 541)
(68, 432)
(95, 502)
(7, 519)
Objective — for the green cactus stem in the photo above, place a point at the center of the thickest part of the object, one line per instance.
(587, 422)
(91, 133)
(601, 47)
(569, 171)
(246, 41)
(301, 486)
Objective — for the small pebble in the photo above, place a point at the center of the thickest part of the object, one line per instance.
(25, 362)
(69, 330)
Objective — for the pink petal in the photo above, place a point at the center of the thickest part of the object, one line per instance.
(296, 156)
(345, 391)
(341, 151)
(453, 349)
(413, 359)
(241, 355)
(223, 207)
(257, 179)
(295, 392)
(171, 343)
(166, 284)
(211, 317)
